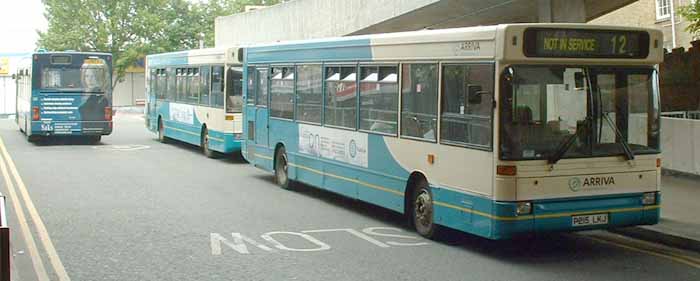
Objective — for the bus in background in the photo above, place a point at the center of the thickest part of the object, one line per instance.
(65, 94)
(196, 97)
(497, 131)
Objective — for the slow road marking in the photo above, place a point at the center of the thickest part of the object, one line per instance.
(43, 234)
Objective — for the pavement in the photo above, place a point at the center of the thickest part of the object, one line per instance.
(131, 208)
(680, 214)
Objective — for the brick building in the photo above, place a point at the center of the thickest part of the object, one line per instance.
(653, 14)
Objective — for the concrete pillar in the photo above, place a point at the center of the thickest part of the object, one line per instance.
(561, 11)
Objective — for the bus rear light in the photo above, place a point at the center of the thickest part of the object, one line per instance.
(658, 162)
(229, 118)
(108, 113)
(506, 170)
(36, 116)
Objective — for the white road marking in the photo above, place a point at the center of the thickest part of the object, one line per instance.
(34, 214)
(239, 240)
(353, 232)
(321, 246)
(38, 264)
(373, 231)
(238, 243)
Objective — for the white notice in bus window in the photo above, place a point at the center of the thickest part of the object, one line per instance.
(340, 145)
(183, 113)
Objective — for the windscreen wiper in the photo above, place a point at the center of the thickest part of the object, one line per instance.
(566, 144)
(625, 146)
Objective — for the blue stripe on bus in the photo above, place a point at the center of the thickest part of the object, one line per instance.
(337, 50)
(192, 133)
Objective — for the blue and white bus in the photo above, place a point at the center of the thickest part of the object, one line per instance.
(498, 131)
(196, 97)
(65, 94)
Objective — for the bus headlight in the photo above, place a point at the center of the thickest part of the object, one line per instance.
(649, 198)
(237, 136)
(524, 208)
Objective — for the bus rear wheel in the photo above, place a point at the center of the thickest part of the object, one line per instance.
(423, 212)
(205, 145)
(161, 131)
(281, 168)
(94, 139)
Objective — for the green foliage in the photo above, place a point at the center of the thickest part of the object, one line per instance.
(691, 13)
(130, 29)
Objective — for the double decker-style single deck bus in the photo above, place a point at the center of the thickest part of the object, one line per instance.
(497, 131)
(65, 94)
(196, 97)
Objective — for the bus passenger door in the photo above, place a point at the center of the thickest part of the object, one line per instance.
(261, 108)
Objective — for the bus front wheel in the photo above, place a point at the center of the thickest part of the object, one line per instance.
(281, 168)
(423, 212)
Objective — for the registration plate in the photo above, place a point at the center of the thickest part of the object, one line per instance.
(593, 219)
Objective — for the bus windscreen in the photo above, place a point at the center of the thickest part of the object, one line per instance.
(88, 77)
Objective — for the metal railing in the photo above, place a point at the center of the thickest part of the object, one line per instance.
(4, 242)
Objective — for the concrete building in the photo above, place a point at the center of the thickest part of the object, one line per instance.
(654, 14)
(308, 19)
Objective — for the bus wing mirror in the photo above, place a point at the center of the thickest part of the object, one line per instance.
(474, 93)
(14, 76)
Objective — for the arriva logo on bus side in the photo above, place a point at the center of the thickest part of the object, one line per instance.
(575, 184)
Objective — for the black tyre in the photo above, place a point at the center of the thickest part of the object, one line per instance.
(161, 132)
(423, 212)
(281, 168)
(94, 139)
(33, 138)
(205, 145)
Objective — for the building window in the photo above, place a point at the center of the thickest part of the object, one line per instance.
(309, 88)
(282, 92)
(341, 96)
(663, 9)
(419, 103)
(467, 104)
(379, 99)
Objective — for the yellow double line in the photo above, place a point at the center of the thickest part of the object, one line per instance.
(10, 174)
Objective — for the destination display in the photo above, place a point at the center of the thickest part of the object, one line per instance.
(585, 43)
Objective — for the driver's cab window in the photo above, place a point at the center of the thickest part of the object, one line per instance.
(234, 90)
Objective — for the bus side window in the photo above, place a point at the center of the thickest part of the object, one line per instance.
(309, 88)
(217, 87)
(234, 89)
(250, 92)
(171, 93)
(379, 99)
(341, 97)
(261, 86)
(204, 76)
(419, 90)
(467, 104)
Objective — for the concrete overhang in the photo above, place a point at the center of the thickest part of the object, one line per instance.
(307, 19)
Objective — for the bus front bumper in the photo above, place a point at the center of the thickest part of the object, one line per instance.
(71, 128)
(574, 215)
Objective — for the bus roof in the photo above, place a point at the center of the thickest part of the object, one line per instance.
(404, 45)
(190, 57)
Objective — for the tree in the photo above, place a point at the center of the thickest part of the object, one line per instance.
(691, 13)
(130, 29)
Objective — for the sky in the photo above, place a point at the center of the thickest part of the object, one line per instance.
(19, 20)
